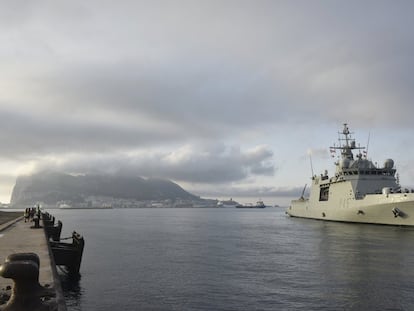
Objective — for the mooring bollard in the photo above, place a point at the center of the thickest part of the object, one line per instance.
(69, 254)
(23, 256)
(36, 220)
(27, 293)
(53, 231)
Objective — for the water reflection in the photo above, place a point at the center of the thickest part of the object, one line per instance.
(72, 290)
(367, 265)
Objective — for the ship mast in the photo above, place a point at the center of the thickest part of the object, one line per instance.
(349, 145)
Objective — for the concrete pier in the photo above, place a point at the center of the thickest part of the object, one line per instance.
(19, 236)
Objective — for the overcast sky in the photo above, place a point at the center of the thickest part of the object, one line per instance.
(226, 98)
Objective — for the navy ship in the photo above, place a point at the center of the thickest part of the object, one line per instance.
(359, 191)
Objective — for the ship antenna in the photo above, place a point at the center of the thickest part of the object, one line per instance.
(310, 159)
(366, 152)
(303, 192)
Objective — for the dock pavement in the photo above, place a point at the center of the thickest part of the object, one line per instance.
(18, 236)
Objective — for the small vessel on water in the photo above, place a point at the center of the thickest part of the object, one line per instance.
(259, 204)
(358, 192)
(227, 203)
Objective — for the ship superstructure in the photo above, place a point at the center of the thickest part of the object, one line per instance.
(358, 192)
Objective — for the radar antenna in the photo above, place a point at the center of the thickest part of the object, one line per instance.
(303, 192)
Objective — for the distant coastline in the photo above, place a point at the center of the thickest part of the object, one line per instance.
(80, 207)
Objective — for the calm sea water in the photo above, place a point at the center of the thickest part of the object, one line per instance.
(236, 259)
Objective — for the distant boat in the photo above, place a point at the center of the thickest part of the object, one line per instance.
(227, 203)
(259, 204)
(64, 206)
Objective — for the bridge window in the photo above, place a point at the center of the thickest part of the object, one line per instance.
(324, 193)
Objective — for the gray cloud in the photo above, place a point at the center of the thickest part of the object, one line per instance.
(33, 134)
(215, 164)
(123, 86)
(217, 62)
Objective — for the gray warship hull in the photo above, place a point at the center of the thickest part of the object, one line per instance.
(397, 209)
(358, 192)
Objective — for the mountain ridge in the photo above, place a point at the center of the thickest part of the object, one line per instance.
(53, 187)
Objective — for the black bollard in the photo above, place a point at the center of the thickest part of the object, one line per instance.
(24, 256)
(27, 293)
(36, 223)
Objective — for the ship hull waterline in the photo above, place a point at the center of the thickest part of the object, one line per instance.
(396, 210)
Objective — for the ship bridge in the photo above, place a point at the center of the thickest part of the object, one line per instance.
(366, 178)
(364, 167)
